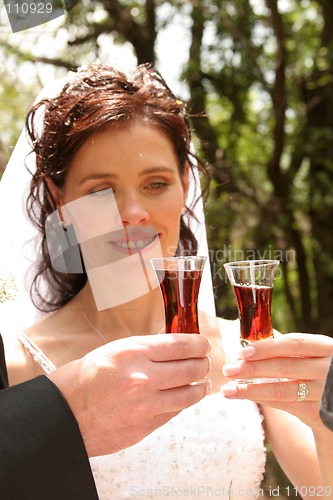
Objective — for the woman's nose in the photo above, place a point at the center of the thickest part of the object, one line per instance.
(132, 210)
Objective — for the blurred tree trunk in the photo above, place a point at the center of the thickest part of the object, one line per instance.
(139, 30)
(282, 180)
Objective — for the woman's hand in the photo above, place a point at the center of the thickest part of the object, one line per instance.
(298, 357)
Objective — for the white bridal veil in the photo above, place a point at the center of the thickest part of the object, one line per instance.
(19, 238)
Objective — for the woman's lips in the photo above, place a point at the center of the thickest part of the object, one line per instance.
(133, 242)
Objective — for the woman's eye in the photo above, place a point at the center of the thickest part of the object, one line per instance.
(102, 192)
(157, 185)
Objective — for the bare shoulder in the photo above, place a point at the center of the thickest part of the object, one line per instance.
(49, 336)
(20, 364)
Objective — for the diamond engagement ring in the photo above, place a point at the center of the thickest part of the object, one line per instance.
(303, 391)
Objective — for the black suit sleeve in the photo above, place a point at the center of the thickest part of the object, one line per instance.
(42, 455)
(3, 369)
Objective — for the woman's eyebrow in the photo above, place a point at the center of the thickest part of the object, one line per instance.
(104, 175)
(157, 169)
(96, 175)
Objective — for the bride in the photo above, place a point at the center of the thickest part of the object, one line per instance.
(114, 183)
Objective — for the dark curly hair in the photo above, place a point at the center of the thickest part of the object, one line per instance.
(97, 97)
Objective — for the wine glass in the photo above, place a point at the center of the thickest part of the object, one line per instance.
(179, 280)
(252, 282)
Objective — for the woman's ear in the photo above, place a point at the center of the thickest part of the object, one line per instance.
(54, 196)
(53, 192)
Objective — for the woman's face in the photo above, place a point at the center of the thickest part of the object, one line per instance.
(148, 192)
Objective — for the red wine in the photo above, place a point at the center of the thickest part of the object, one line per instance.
(180, 291)
(254, 308)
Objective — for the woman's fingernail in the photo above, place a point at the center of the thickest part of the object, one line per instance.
(229, 390)
(209, 385)
(247, 352)
(231, 369)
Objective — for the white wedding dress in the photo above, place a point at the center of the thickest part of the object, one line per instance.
(215, 448)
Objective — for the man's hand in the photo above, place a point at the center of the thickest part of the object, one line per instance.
(121, 392)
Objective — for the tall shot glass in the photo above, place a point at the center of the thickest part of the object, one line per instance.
(252, 282)
(179, 280)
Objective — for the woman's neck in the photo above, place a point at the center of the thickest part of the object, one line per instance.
(142, 316)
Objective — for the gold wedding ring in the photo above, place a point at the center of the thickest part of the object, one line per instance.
(303, 391)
